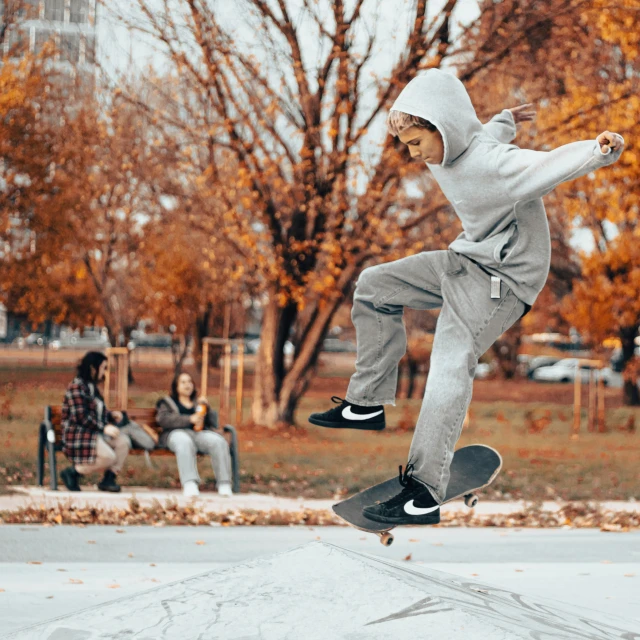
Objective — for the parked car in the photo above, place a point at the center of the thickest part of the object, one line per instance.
(540, 361)
(565, 371)
(86, 343)
(31, 340)
(157, 340)
(252, 346)
(339, 346)
(483, 370)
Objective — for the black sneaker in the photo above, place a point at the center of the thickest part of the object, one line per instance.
(414, 504)
(350, 416)
(109, 483)
(70, 477)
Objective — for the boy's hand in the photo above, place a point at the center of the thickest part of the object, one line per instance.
(608, 140)
(523, 113)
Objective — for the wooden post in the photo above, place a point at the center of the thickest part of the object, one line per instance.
(576, 402)
(593, 381)
(118, 374)
(225, 400)
(239, 383)
(602, 427)
(204, 374)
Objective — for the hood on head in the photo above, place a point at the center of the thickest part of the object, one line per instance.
(440, 98)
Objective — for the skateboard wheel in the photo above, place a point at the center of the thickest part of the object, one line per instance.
(386, 539)
(471, 500)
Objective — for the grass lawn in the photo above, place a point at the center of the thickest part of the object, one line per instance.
(314, 462)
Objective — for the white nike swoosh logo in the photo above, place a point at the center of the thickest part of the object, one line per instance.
(418, 511)
(349, 415)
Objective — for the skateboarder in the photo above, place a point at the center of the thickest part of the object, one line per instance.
(484, 282)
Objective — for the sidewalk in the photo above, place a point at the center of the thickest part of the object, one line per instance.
(25, 496)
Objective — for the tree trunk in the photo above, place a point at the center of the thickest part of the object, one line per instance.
(630, 392)
(505, 350)
(277, 390)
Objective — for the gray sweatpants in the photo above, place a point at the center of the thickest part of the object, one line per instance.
(469, 323)
(186, 444)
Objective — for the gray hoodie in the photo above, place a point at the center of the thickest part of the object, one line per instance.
(496, 188)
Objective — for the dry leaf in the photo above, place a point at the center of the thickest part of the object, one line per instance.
(407, 557)
(130, 555)
(120, 531)
(113, 586)
(152, 565)
(200, 542)
(75, 581)
(34, 562)
(91, 541)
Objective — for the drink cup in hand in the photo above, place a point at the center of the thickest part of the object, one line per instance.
(197, 420)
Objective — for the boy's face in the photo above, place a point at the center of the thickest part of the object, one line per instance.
(423, 144)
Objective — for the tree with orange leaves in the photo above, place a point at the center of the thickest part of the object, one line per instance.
(319, 190)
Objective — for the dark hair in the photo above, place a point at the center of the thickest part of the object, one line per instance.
(91, 360)
(174, 387)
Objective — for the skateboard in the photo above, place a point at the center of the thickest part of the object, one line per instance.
(472, 468)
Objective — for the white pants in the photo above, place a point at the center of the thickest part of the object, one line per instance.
(186, 444)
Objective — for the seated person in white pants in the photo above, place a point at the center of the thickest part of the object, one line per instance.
(187, 433)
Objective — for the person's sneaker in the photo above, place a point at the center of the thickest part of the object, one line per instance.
(224, 489)
(70, 477)
(108, 483)
(413, 504)
(350, 416)
(190, 489)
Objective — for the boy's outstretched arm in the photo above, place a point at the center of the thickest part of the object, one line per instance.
(527, 174)
(503, 125)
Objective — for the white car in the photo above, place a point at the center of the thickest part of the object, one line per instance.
(565, 371)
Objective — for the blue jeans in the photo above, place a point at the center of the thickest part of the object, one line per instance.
(469, 323)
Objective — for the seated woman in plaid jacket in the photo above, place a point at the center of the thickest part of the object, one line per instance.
(88, 439)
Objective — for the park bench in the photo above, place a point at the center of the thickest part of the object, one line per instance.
(50, 440)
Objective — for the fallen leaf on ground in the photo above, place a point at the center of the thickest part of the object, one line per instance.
(34, 562)
(200, 542)
(75, 581)
(113, 586)
(91, 541)
(120, 531)
(407, 557)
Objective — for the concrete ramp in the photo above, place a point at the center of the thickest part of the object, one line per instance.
(320, 591)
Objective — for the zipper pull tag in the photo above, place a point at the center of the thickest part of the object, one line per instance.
(495, 287)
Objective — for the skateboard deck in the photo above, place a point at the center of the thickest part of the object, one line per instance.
(472, 468)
